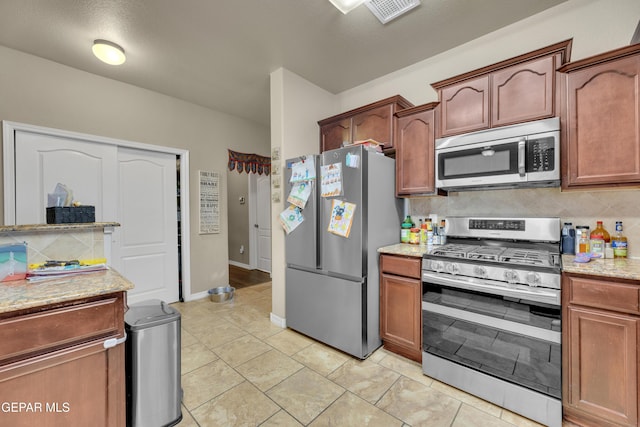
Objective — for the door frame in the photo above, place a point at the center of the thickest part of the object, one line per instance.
(8, 156)
(253, 220)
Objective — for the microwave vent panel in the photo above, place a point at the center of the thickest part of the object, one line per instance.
(386, 10)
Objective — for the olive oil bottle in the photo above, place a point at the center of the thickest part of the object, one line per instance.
(619, 242)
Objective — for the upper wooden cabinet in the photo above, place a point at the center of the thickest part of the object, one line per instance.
(415, 150)
(516, 90)
(374, 121)
(600, 120)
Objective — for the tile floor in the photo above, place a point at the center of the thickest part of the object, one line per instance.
(238, 369)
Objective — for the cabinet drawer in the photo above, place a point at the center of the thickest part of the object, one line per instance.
(401, 266)
(604, 294)
(41, 332)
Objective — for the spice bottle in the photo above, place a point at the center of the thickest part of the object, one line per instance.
(619, 242)
(568, 242)
(599, 238)
(405, 229)
(583, 242)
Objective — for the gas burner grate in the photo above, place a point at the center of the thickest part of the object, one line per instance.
(452, 251)
(486, 253)
(526, 257)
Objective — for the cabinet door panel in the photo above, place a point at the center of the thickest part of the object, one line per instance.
(603, 365)
(332, 135)
(523, 92)
(374, 124)
(400, 314)
(415, 155)
(603, 132)
(81, 386)
(465, 106)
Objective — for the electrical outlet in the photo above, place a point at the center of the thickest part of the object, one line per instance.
(241, 249)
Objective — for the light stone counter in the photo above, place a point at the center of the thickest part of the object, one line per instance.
(21, 294)
(404, 249)
(618, 268)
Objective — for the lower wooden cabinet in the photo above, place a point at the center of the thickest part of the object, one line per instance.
(74, 372)
(600, 351)
(400, 305)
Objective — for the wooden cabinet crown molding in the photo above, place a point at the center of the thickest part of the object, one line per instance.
(562, 48)
(601, 58)
(397, 99)
(417, 109)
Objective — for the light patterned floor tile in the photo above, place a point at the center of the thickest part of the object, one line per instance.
(219, 334)
(186, 339)
(470, 416)
(289, 342)
(243, 405)
(241, 349)
(269, 369)
(281, 419)
(405, 367)
(419, 405)
(262, 328)
(305, 394)
(187, 419)
(321, 358)
(366, 379)
(207, 382)
(195, 356)
(350, 410)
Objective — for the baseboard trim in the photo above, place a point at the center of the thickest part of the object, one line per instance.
(241, 265)
(278, 321)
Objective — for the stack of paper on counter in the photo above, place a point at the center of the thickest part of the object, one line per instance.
(58, 269)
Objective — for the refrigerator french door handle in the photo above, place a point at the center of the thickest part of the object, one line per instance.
(112, 342)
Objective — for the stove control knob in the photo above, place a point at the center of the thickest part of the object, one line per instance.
(437, 266)
(452, 268)
(511, 276)
(480, 271)
(533, 279)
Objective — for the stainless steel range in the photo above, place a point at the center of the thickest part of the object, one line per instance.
(491, 313)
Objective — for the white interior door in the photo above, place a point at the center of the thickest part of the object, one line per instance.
(146, 244)
(135, 187)
(263, 217)
(42, 161)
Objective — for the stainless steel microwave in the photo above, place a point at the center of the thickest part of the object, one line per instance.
(522, 155)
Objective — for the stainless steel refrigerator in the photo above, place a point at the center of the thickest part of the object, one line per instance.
(332, 281)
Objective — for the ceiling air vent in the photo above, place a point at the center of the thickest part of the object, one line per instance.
(386, 10)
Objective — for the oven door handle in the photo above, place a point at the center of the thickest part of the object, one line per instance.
(535, 294)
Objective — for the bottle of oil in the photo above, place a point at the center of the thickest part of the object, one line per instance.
(583, 242)
(619, 242)
(599, 238)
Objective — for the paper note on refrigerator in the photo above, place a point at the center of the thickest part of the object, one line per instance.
(341, 218)
(300, 193)
(290, 218)
(331, 180)
(304, 170)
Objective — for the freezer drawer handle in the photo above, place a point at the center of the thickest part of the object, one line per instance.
(112, 342)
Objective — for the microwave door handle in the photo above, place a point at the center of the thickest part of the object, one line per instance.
(521, 158)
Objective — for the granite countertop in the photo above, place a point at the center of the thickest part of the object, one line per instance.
(404, 249)
(55, 227)
(619, 268)
(22, 294)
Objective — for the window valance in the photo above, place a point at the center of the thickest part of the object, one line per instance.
(249, 163)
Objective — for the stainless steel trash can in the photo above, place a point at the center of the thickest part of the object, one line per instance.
(154, 391)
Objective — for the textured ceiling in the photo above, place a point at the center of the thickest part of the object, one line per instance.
(219, 53)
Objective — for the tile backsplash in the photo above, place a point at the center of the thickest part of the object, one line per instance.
(578, 207)
(47, 245)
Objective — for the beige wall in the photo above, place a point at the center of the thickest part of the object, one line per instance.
(238, 216)
(296, 106)
(44, 93)
(595, 26)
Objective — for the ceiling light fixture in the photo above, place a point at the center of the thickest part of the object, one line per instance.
(108, 52)
(346, 6)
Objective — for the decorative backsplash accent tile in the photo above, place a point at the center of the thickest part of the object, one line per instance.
(44, 246)
(577, 207)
